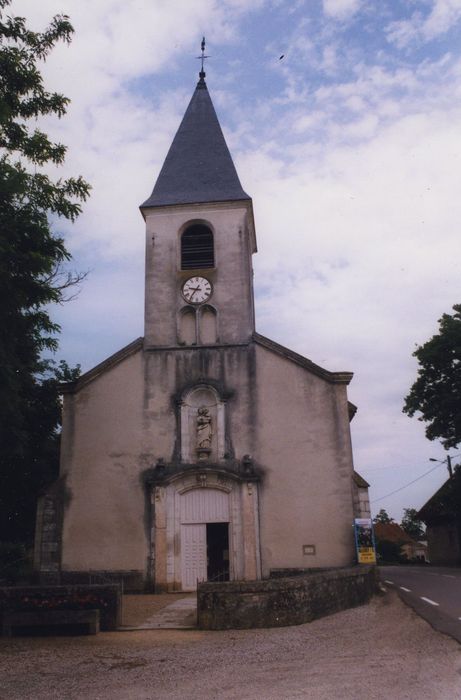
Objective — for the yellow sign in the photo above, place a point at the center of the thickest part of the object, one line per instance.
(366, 555)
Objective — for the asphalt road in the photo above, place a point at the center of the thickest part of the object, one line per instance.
(433, 592)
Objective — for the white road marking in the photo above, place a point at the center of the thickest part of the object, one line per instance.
(405, 589)
(428, 600)
(448, 575)
(391, 582)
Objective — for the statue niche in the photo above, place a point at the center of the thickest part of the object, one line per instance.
(202, 425)
(204, 432)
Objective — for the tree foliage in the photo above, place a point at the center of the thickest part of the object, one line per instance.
(436, 393)
(32, 266)
(411, 524)
(382, 517)
(389, 552)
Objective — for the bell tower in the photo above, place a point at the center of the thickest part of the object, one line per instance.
(200, 237)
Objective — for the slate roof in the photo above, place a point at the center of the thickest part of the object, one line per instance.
(198, 167)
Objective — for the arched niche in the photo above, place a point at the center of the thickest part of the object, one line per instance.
(202, 414)
(187, 326)
(208, 325)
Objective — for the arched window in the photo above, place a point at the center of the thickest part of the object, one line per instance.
(208, 331)
(197, 250)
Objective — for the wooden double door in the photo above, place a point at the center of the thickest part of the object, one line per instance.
(205, 553)
(204, 544)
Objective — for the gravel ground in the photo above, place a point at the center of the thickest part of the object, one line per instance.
(380, 651)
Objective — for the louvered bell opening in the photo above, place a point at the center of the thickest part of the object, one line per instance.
(197, 248)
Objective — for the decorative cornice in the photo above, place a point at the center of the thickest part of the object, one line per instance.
(359, 480)
(352, 408)
(194, 348)
(271, 345)
(164, 473)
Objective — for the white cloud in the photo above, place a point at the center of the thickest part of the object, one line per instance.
(443, 16)
(330, 59)
(341, 9)
(371, 226)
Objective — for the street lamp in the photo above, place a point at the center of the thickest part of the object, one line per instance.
(447, 460)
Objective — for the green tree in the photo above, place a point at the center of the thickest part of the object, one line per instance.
(389, 552)
(436, 393)
(412, 525)
(33, 271)
(382, 517)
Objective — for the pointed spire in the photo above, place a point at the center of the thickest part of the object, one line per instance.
(198, 167)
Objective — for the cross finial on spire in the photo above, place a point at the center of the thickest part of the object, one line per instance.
(202, 73)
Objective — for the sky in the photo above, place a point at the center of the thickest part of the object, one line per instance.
(344, 121)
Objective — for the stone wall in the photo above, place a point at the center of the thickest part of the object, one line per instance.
(278, 602)
(105, 598)
(131, 581)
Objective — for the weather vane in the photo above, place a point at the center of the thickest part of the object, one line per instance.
(202, 58)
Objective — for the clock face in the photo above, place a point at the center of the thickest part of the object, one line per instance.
(196, 290)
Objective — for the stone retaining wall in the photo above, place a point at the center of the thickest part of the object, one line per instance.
(278, 602)
(132, 581)
(105, 598)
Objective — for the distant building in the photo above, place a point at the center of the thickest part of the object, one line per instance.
(442, 515)
(392, 532)
(202, 450)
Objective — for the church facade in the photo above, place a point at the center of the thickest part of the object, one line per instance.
(202, 451)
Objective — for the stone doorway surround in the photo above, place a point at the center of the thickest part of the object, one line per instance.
(186, 494)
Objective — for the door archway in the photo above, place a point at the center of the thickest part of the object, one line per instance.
(204, 520)
(194, 509)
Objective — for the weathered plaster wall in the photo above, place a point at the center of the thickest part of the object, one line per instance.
(116, 427)
(303, 441)
(231, 277)
(170, 373)
(444, 543)
(104, 453)
(293, 423)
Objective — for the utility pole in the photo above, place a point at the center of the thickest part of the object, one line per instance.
(447, 460)
(450, 470)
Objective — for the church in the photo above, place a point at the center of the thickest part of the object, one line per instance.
(203, 450)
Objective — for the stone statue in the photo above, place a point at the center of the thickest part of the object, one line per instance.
(204, 429)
